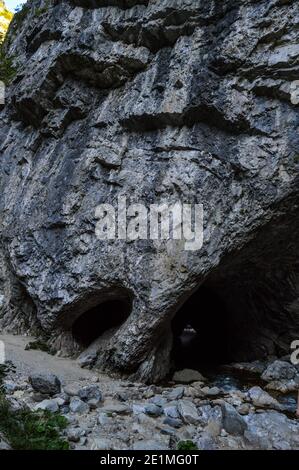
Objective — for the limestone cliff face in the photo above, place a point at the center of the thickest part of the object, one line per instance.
(5, 19)
(156, 101)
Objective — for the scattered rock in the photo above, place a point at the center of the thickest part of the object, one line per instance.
(71, 390)
(74, 434)
(10, 386)
(159, 400)
(93, 403)
(78, 406)
(279, 370)
(104, 419)
(99, 443)
(283, 387)
(210, 413)
(61, 401)
(171, 410)
(138, 408)
(233, 422)
(211, 391)
(213, 428)
(65, 409)
(47, 405)
(187, 376)
(261, 398)
(272, 430)
(90, 392)
(149, 445)
(116, 408)
(48, 384)
(206, 442)
(87, 360)
(243, 409)
(176, 393)
(188, 412)
(37, 397)
(173, 422)
(153, 410)
(255, 367)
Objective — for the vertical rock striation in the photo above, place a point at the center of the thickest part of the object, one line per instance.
(155, 101)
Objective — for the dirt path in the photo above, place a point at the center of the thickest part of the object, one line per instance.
(35, 361)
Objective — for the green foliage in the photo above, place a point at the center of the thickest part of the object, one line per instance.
(20, 15)
(187, 445)
(38, 345)
(7, 69)
(30, 430)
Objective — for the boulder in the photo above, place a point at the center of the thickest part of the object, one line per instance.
(91, 392)
(279, 370)
(233, 422)
(272, 430)
(78, 406)
(260, 398)
(188, 412)
(176, 393)
(187, 376)
(47, 405)
(47, 384)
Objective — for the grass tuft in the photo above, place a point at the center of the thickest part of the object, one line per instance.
(30, 430)
(187, 445)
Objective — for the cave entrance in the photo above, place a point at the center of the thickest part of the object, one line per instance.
(100, 319)
(201, 331)
(248, 307)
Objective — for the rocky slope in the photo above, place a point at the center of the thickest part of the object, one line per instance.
(219, 412)
(154, 101)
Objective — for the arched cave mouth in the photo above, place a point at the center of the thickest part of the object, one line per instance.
(201, 331)
(236, 319)
(247, 309)
(100, 319)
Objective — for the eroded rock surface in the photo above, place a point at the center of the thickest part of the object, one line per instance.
(153, 101)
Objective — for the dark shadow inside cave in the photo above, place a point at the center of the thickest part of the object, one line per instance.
(96, 321)
(201, 336)
(248, 307)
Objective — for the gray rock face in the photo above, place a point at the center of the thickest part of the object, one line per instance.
(279, 370)
(272, 430)
(4, 444)
(48, 384)
(153, 101)
(233, 422)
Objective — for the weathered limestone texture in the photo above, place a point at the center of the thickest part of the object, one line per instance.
(168, 100)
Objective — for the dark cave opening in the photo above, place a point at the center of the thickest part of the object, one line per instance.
(201, 331)
(98, 320)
